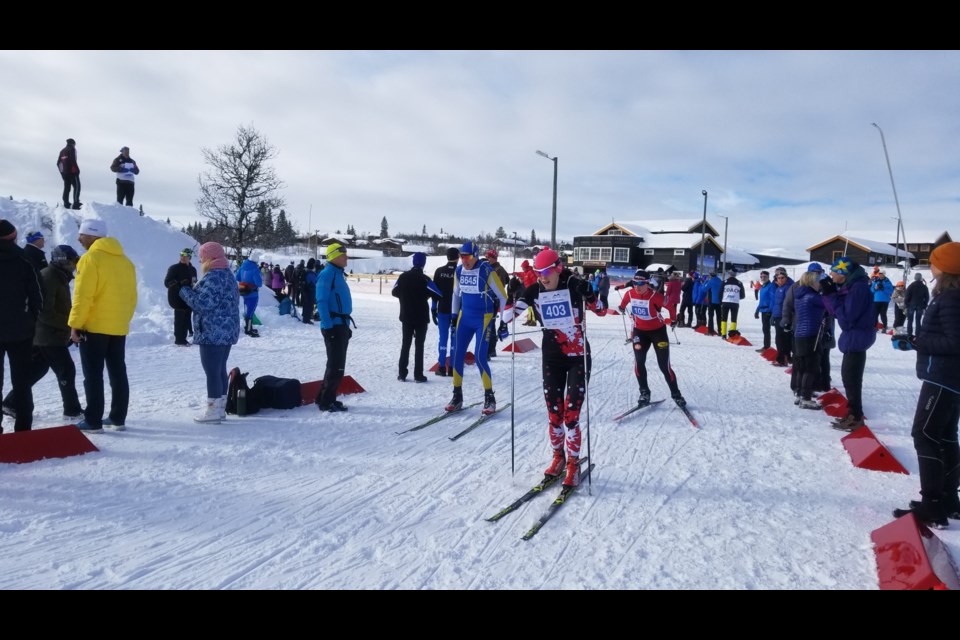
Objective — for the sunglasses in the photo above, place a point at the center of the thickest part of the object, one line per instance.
(640, 283)
(547, 271)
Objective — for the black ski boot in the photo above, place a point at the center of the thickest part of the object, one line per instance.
(679, 400)
(644, 398)
(929, 513)
(489, 402)
(249, 330)
(456, 403)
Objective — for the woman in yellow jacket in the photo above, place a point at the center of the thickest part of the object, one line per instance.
(104, 298)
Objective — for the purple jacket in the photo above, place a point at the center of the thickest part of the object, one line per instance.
(852, 306)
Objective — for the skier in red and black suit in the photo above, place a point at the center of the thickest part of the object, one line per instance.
(557, 299)
(645, 302)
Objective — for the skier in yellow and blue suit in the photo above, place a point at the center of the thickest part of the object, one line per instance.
(476, 290)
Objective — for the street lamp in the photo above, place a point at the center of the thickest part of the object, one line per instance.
(896, 253)
(514, 251)
(703, 230)
(553, 224)
(726, 221)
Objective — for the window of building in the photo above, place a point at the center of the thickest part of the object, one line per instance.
(679, 252)
(924, 247)
(621, 255)
(648, 252)
(614, 232)
(605, 254)
(836, 256)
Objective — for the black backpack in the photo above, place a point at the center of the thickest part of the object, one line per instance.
(238, 382)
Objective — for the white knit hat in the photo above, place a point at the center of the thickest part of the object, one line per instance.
(93, 227)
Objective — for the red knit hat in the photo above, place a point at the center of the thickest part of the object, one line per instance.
(946, 257)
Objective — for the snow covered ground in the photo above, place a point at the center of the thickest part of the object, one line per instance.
(763, 496)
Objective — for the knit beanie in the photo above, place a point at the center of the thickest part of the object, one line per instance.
(7, 230)
(946, 257)
(213, 252)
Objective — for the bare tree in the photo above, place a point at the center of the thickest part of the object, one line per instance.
(239, 183)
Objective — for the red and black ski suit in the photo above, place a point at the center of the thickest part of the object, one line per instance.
(649, 329)
(564, 370)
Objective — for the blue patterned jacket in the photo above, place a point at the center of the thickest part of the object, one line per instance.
(214, 300)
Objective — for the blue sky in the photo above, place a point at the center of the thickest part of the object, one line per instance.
(782, 141)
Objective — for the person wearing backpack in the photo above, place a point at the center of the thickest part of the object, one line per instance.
(216, 329)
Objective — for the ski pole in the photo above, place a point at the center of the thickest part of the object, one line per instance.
(586, 388)
(513, 387)
(623, 317)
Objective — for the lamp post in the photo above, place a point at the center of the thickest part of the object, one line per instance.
(896, 252)
(703, 230)
(553, 223)
(514, 252)
(723, 270)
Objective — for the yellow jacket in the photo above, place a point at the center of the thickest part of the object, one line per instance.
(105, 292)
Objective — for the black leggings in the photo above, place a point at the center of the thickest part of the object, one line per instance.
(642, 341)
(935, 439)
(851, 372)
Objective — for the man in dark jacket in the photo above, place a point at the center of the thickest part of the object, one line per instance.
(70, 172)
(852, 304)
(127, 170)
(50, 350)
(181, 274)
(442, 317)
(915, 300)
(20, 303)
(33, 250)
(414, 289)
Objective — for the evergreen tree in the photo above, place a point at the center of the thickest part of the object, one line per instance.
(533, 236)
(501, 234)
(384, 228)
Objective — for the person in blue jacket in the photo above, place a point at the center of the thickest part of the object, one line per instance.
(334, 305)
(938, 408)
(764, 307)
(809, 309)
(850, 301)
(714, 289)
(882, 289)
(249, 282)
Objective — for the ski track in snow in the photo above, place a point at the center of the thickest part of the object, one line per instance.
(763, 496)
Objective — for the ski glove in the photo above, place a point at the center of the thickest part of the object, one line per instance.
(756, 315)
(503, 332)
(433, 314)
(827, 286)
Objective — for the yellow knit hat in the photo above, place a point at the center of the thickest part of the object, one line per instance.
(335, 250)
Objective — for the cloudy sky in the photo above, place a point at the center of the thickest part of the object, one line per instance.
(782, 141)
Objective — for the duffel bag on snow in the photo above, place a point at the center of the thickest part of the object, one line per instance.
(277, 393)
